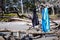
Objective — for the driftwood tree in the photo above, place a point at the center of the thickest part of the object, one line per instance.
(54, 4)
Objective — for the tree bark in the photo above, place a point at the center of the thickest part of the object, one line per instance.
(53, 10)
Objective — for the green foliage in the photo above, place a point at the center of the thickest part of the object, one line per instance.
(6, 17)
(32, 6)
(10, 15)
(14, 1)
(29, 5)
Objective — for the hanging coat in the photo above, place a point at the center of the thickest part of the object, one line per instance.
(45, 20)
(35, 20)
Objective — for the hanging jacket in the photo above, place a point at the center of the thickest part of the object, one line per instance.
(35, 20)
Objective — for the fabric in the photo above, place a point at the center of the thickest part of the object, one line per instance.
(45, 20)
(35, 20)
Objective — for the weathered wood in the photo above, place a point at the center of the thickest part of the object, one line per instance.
(29, 32)
(1, 38)
(5, 30)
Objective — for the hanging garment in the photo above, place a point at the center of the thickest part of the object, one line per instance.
(45, 20)
(35, 20)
